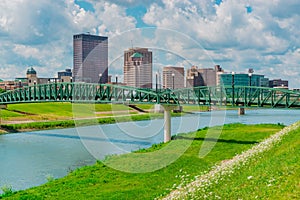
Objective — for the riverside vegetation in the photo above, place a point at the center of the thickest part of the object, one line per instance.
(36, 116)
(278, 167)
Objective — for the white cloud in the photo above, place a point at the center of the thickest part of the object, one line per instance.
(39, 33)
(234, 37)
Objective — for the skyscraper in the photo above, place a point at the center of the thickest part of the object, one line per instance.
(173, 77)
(138, 67)
(90, 58)
(194, 77)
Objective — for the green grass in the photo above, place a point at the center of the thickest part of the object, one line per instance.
(61, 111)
(65, 115)
(12, 128)
(65, 109)
(102, 182)
(193, 108)
(7, 114)
(275, 174)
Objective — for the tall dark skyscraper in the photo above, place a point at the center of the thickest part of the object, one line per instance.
(90, 58)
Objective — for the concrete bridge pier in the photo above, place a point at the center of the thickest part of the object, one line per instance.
(167, 121)
(241, 111)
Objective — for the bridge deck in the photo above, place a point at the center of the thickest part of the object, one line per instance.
(236, 96)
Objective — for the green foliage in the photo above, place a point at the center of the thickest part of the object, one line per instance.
(49, 178)
(102, 182)
(2, 90)
(7, 191)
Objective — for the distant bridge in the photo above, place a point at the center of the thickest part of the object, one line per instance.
(237, 96)
(234, 96)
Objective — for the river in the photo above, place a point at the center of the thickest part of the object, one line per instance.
(27, 159)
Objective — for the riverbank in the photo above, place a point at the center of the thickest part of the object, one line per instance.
(46, 125)
(43, 116)
(102, 182)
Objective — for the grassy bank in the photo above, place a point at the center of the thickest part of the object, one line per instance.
(14, 128)
(59, 111)
(40, 116)
(274, 174)
(102, 182)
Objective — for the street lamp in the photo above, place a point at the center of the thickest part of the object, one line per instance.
(250, 76)
(100, 76)
(156, 78)
(232, 84)
(173, 76)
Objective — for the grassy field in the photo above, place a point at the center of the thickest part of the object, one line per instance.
(30, 126)
(275, 174)
(102, 182)
(59, 111)
(63, 111)
(36, 116)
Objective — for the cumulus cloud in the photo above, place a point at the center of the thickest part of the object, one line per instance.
(39, 33)
(237, 34)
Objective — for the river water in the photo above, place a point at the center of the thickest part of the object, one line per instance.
(27, 159)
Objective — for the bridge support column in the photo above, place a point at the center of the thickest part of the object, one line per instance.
(241, 111)
(167, 121)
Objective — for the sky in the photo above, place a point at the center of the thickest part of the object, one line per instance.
(236, 34)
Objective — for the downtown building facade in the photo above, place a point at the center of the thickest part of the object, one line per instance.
(203, 76)
(173, 77)
(193, 77)
(90, 58)
(138, 67)
(243, 79)
(279, 83)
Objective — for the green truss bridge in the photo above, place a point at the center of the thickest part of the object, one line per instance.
(237, 96)
(233, 96)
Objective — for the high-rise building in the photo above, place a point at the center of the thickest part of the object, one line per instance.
(65, 76)
(173, 77)
(278, 83)
(210, 75)
(90, 58)
(243, 79)
(138, 67)
(203, 76)
(194, 78)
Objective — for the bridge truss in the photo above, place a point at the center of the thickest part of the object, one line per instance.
(237, 96)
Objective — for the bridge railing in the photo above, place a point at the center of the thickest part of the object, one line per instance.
(107, 93)
(238, 96)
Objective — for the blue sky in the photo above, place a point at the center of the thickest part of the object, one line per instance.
(238, 35)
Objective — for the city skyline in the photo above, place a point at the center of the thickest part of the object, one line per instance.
(237, 35)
